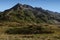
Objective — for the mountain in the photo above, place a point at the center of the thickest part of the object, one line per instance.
(27, 13)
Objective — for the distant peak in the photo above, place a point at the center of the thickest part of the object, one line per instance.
(18, 4)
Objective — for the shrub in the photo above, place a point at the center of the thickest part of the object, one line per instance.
(28, 30)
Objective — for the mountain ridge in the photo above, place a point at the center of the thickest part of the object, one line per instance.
(30, 14)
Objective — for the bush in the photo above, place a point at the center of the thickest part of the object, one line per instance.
(28, 30)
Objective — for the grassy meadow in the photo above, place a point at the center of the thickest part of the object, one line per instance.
(49, 31)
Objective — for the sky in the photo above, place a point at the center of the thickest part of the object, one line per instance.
(52, 5)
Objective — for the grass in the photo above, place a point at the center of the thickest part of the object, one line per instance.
(53, 36)
(30, 37)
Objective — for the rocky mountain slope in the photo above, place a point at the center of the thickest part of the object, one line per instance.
(30, 14)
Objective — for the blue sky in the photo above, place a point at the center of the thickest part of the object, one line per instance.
(52, 5)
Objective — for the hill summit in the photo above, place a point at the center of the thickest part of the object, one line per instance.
(27, 13)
